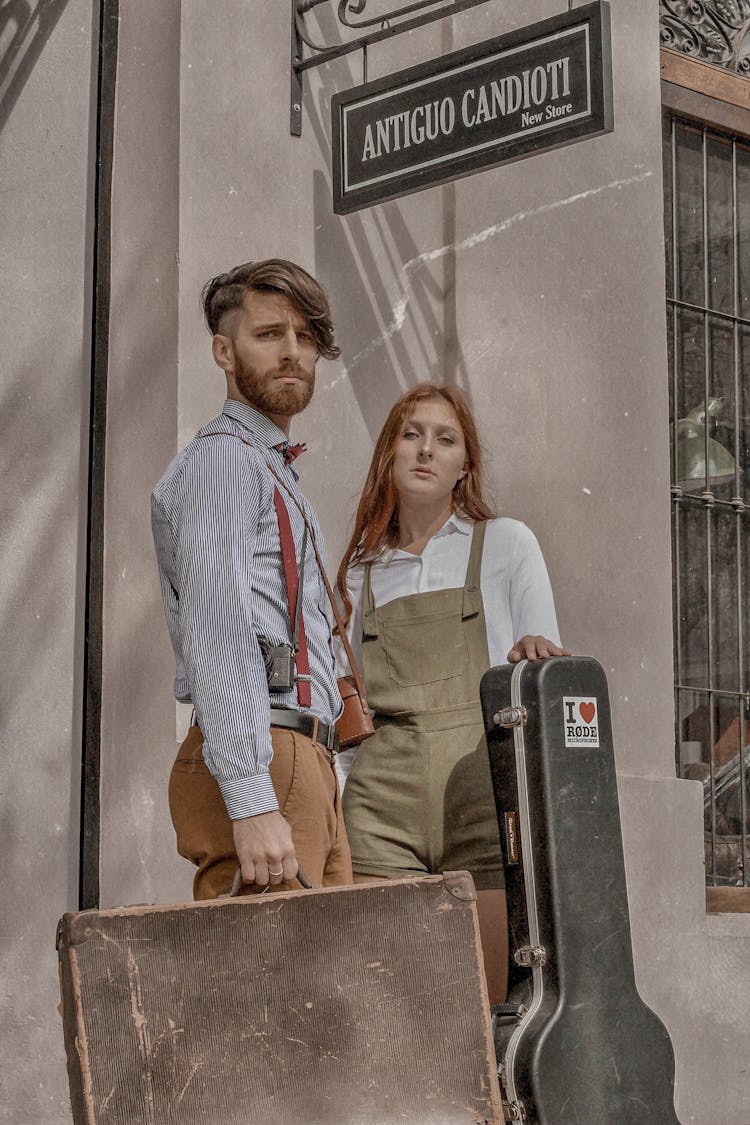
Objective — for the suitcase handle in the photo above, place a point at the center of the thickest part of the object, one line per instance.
(237, 882)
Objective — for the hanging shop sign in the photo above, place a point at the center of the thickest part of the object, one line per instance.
(530, 91)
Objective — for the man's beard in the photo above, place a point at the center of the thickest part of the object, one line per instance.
(262, 391)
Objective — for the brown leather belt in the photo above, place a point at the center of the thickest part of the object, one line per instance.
(307, 724)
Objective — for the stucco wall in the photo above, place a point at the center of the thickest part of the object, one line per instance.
(45, 246)
(138, 859)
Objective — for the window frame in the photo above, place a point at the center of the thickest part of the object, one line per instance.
(710, 96)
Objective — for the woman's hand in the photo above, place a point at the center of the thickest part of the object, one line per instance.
(535, 648)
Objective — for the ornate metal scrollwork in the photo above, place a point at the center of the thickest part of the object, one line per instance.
(379, 20)
(349, 8)
(381, 13)
(715, 31)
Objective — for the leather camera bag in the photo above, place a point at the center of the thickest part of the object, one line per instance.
(355, 724)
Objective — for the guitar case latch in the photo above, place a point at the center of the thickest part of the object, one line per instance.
(514, 1111)
(530, 955)
(510, 717)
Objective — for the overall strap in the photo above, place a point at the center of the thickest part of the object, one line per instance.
(472, 597)
(369, 617)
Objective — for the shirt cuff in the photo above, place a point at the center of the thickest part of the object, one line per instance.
(248, 796)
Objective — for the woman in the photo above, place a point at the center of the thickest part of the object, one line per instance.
(435, 592)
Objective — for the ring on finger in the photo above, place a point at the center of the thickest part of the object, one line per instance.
(276, 872)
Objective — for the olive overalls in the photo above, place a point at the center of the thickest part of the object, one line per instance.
(419, 796)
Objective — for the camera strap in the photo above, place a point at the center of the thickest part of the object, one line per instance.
(293, 577)
(298, 611)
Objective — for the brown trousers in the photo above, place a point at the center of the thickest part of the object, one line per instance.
(304, 779)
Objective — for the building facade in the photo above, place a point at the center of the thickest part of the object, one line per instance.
(144, 150)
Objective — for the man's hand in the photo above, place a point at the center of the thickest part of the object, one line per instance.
(535, 648)
(265, 849)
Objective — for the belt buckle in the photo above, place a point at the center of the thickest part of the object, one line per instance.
(317, 728)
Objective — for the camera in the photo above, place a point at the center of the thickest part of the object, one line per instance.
(279, 662)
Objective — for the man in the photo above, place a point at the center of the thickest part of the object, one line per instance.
(254, 781)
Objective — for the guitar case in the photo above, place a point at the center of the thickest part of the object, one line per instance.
(576, 1044)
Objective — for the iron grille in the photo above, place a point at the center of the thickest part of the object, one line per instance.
(707, 211)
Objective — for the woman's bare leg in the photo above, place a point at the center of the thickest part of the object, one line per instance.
(493, 929)
(358, 878)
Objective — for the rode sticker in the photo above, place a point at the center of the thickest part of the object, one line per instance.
(581, 720)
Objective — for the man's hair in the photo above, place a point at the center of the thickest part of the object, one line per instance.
(224, 293)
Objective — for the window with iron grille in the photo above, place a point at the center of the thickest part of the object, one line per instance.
(707, 222)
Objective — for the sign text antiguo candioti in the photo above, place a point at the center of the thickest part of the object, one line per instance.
(532, 90)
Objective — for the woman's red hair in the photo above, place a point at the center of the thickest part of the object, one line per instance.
(376, 522)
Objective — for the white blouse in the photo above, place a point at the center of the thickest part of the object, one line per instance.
(516, 589)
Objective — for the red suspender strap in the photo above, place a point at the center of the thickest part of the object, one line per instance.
(291, 577)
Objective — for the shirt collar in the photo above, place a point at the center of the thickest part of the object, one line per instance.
(454, 524)
(264, 431)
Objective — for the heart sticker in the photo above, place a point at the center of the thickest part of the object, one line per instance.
(580, 720)
(587, 710)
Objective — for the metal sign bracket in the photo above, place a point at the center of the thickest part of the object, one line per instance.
(390, 20)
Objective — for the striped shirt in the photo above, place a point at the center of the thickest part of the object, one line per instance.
(222, 580)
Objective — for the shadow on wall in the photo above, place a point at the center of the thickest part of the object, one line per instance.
(394, 303)
(25, 28)
(41, 515)
(139, 861)
(393, 335)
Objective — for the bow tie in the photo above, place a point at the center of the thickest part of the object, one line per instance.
(290, 452)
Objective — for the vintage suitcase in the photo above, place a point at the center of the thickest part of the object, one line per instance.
(348, 1006)
(581, 1048)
